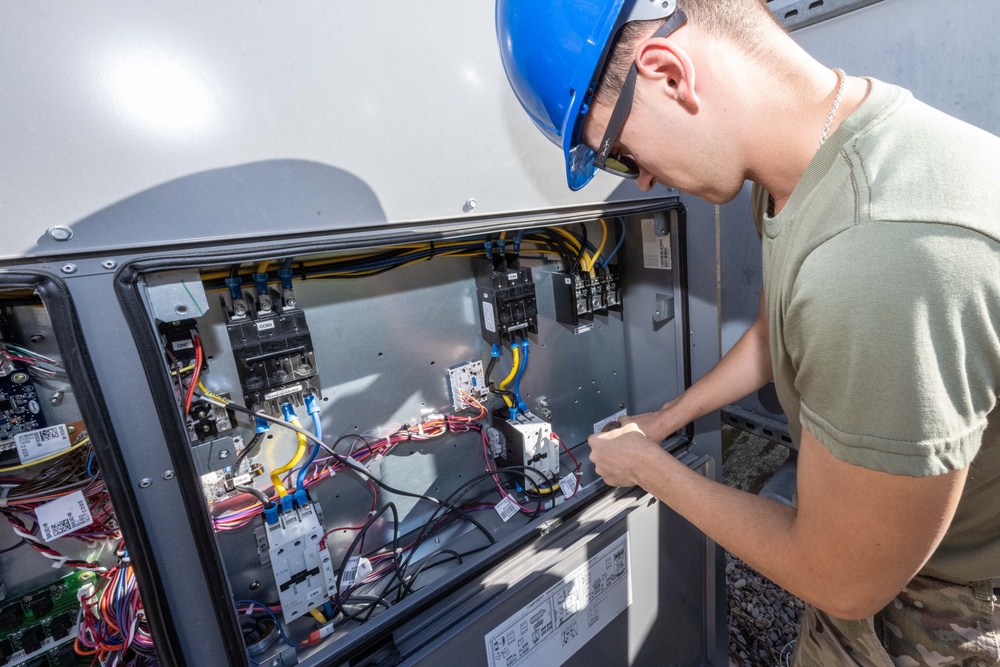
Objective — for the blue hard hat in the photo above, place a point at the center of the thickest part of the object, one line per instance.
(553, 52)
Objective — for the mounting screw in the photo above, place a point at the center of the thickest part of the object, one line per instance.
(36, 338)
(145, 483)
(168, 475)
(254, 585)
(239, 311)
(109, 264)
(470, 205)
(68, 268)
(224, 454)
(60, 233)
(56, 398)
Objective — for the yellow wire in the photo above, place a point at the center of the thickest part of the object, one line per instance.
(513, 372)
(183, 370)
(210, 394)
(600, 248)
(262, 267)
(48, 458)
(278, 472)
(318, 615)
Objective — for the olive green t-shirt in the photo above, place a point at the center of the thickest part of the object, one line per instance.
(882, 289)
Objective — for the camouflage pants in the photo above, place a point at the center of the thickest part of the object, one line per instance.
(931, 623)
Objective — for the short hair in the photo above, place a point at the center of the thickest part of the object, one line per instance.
(743, 22)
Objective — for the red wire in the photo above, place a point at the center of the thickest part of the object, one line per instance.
(198, 359)
(575, 462)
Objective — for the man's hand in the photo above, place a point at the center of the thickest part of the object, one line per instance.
(656, 425)
(622, 455)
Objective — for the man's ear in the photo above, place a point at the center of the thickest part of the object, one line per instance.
(667, 63)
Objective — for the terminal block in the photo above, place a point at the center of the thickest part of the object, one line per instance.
(579, 297)
(302, 571)
(507, 302)
(530, 443)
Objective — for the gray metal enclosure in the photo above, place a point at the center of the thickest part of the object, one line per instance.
(182, 139)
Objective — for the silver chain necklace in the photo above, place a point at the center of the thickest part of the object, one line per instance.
(842, 79)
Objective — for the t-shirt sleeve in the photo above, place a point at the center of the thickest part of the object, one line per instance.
(892, 329)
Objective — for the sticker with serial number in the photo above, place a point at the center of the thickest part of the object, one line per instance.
(568, 485)
(63, 516)
(489, 319)
(34, 445)
(506, 508)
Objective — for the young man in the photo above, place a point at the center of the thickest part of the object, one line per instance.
(880, 224)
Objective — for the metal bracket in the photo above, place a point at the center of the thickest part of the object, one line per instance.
(664, 310)
(795, 14)
(175, 295)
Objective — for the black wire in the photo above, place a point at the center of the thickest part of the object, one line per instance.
(583, 244)
(16, 546)
(354, 544)
(356, 439)
(260, 495)
(254, 442)
(425, 562)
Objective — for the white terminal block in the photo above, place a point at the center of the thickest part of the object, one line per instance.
(303, 573)
(530, 443)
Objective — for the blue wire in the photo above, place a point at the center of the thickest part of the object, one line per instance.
(614, 251)
(275, 618)
(90, 462)
(318, 429)
(520, 373)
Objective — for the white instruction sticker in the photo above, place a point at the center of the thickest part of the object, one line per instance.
(506, 508)
(568, 485)
(655, 249)
(489, 319)
(599, 426)
(63, 516)
(34, 445)
(557, 623)
(350, 571)
(285, 391)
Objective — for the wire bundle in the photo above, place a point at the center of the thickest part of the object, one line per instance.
(36, 363)
(112, 623)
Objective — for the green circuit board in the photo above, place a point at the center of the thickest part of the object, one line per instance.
(37, 629)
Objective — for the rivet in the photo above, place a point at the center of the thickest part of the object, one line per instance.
(145, 483)
(109, 264)
(68, 268)
(224, 454)
(168, 475)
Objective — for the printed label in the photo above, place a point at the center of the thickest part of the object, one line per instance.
(568, 485)
(350, 571)
(556, 624)
(182, 345)
(63, 516)
(295, 388)
(264, 325)
(599, 426)
(655, 249)
(489, 319)
(583, 328)
(506, 508)
(34, 445)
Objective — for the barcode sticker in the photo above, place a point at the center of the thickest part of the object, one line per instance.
(489, 318)
(506, 508)
(568, 485)
(34, 445)
(350, 571)
(63, 516)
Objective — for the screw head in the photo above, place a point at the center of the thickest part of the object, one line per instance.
(60, 233)
(168, 475)
(56, 398)
(239, 311)
(68, 268)
(224, 454)
(145, 483)
(36, 338)
(254, 585)
(109, 264)
(470, 205)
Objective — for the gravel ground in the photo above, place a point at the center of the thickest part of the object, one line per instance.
(763, 618)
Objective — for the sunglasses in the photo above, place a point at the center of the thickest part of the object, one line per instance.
(617, 163)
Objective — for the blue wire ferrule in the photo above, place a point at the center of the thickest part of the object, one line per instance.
(518, 488)
(260, 280)
(513, 412)
(288, 412)
(495, 350)
(489, 249)
(517, 243)
(522, 407)
(286, 504)
(271, 514)
(286, 278)
(263, 426)
(301, 499)
(234, 285)
(312, 404)
(502, 244)
(524, 343)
